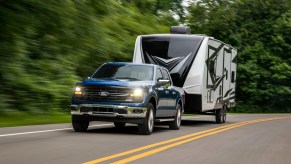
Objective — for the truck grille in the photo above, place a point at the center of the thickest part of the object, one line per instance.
(97, 93)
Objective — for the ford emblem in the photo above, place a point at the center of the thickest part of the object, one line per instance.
(104, 93)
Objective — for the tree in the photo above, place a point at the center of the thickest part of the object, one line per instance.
(260, 31)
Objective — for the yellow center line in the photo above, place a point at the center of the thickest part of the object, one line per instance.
(157, 150)
(176, 139)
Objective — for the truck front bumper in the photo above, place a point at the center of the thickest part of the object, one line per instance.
(111, 113)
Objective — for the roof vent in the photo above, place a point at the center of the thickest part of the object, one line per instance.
(180, 30)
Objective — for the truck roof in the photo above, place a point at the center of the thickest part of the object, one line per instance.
(130, 63)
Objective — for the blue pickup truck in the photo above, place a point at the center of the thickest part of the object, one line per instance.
(123, 93)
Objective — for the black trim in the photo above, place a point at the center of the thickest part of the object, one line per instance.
(227, 92)
(193, 103)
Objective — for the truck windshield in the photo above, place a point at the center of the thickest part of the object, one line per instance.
(123, 71)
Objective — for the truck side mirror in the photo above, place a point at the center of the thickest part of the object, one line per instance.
(162, 82)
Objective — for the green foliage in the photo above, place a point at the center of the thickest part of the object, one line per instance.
(47, 46)
(261, 31)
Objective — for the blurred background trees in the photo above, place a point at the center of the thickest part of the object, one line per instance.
(47, 46)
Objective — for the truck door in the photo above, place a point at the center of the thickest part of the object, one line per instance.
(162, 93)
(171, 94)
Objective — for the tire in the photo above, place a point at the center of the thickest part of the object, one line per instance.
(224, 112)
(175, 125)
(80, 126)
(220, 115)
(119, 125)
(146, 128)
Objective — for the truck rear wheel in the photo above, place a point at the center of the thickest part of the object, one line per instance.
(175, 125)
(146, 128)
(80, 126)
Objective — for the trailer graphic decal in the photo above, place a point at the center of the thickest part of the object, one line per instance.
(211, 62)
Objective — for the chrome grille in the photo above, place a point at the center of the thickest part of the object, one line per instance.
(95, 93)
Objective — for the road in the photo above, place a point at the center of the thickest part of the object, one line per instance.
(245, 138)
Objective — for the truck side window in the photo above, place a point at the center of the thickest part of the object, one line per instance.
(165, 75)
(159, 74)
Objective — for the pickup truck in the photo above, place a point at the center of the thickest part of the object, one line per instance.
(123, 93)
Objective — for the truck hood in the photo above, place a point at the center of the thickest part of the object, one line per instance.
(119, 83)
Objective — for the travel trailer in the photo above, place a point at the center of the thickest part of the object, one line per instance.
(202, 65)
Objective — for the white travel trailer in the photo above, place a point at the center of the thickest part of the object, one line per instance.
(203, 66)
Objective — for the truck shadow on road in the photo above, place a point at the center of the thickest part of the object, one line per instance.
(127, 130)
(196, 122)
(131, 129)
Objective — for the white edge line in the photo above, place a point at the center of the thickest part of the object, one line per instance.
(44, 131)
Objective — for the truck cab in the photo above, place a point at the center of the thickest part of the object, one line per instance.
(123, 93)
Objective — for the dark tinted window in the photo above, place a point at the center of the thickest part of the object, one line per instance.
(124, 71)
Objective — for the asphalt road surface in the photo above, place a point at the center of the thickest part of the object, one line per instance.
(244, 139)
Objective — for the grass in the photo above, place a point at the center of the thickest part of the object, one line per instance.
(22, 119)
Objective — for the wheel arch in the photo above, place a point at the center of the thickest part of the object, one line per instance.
(179, 101)
(153, 100)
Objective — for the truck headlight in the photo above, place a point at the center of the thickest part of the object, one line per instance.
(137, 92)
(78, 90)
(137, 95)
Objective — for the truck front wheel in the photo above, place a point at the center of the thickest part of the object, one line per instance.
(80, 126)
(146, 128)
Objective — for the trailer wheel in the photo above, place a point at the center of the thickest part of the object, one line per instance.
(80, 126)
(220, 115)
(119, 125)
(224, 112)
(175, 125)
(146, 128)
